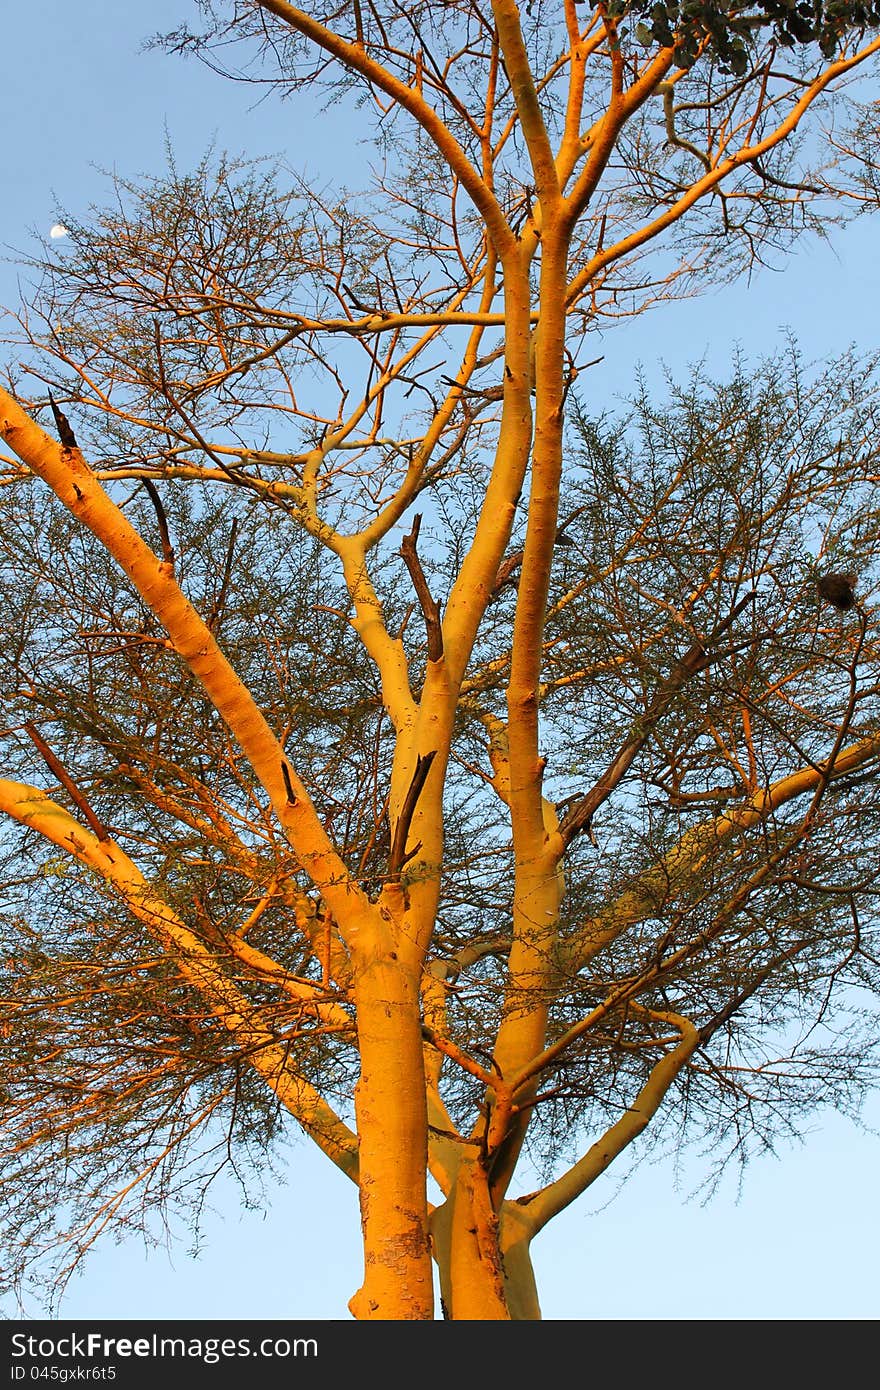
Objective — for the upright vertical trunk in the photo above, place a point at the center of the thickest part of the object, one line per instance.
(393, 1147)
(539, 882)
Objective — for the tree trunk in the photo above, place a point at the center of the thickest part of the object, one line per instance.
(485, 1270)
(393, 1144)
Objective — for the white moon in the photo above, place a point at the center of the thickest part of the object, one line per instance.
(59, 229)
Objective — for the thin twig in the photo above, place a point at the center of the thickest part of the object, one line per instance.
(218, 604)
(67, 782)
(697, 658)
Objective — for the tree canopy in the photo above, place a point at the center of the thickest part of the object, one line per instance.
(398, 740)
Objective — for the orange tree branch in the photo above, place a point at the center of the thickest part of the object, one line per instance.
(710, 181)
(659, 882)
(537, 1210)
(268, 1054)
(76, 486)
(410, 99)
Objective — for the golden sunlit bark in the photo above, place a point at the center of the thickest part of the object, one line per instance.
(537, 848)
(465, 1230)
(269, 1055)
(396, 851)
(74, 483)
(392, 1124)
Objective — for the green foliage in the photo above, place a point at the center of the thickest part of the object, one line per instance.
(729, 32)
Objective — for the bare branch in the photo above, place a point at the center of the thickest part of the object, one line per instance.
(430, 608)
(398, 856)
(77, 796)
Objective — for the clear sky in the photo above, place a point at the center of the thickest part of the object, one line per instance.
(798, 1238)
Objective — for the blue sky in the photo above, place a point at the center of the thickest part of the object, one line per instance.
(798, 1238)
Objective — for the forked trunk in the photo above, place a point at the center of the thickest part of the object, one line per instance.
(485, 1269)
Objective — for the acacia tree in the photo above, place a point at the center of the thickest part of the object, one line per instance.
(396, 743)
